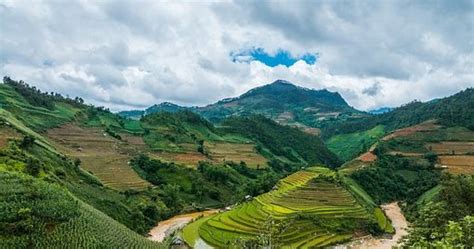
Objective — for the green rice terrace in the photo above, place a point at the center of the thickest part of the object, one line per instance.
(311, 208)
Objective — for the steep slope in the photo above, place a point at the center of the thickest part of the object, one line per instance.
(36, 214)
(281, 101)
(284, 141)
(310, 208)
(162, 107)
(455, 110)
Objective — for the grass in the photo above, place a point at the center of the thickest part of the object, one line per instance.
(383, 221)
(190, 232)
(348, 146)
(428, 196)
(306, 205)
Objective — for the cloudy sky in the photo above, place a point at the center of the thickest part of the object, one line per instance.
(132, 54)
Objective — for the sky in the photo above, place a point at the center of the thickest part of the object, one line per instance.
(132, 54)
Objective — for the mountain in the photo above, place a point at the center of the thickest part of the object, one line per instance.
(380, 110)
(284, 103)
(281, 101)
(162, 107)
(455, 110)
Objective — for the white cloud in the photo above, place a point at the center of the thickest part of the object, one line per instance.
(131, 54)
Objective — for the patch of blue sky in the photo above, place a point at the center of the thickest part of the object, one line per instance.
(281, 57)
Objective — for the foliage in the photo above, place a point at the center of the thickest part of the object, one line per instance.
(308, 208)
(348, 146)
(446, 221)
(285, 141)
(395, 178)
(37, 98)
(455, 110)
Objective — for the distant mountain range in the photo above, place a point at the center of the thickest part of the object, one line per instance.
(281, 101)
(381, 110)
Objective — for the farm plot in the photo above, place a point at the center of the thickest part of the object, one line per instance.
(426, 126)
(188, 159)
(106, 157)
(236, 152)
(458, 164)
(452, 148)
(298, 209)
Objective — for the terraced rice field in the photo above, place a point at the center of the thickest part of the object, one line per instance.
(236, 152)
(299, 200)
(106, 157)
(459, 164)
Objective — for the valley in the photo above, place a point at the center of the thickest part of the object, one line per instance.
(293, 175)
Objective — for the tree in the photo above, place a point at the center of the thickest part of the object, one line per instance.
(431, 157)
(27, 141)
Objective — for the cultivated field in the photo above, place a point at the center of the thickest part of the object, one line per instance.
(188, 159)
(286, 214)
(426, 126)
(458, 164)
(452, 148)
(236, 152)
(106, 157)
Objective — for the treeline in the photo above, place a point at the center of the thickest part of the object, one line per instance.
(35, 97)
(209, 185)
(448, 220)
(456, 110)
(285, 141)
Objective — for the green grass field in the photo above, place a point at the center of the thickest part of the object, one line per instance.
(348, 146)
(302, 212)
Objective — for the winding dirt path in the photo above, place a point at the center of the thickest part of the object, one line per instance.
(166, 227)
(393, 211)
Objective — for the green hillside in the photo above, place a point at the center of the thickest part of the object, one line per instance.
(37, 214)
(455, 110)
(348, 146)
(283, 141)
(280, 101)
(310, 208)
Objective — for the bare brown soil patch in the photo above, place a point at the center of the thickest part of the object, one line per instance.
(104, 156)
(7, 134)
(368, 156)
(426, 126)
(460, 164)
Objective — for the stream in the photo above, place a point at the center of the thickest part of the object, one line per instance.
(166, 227)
